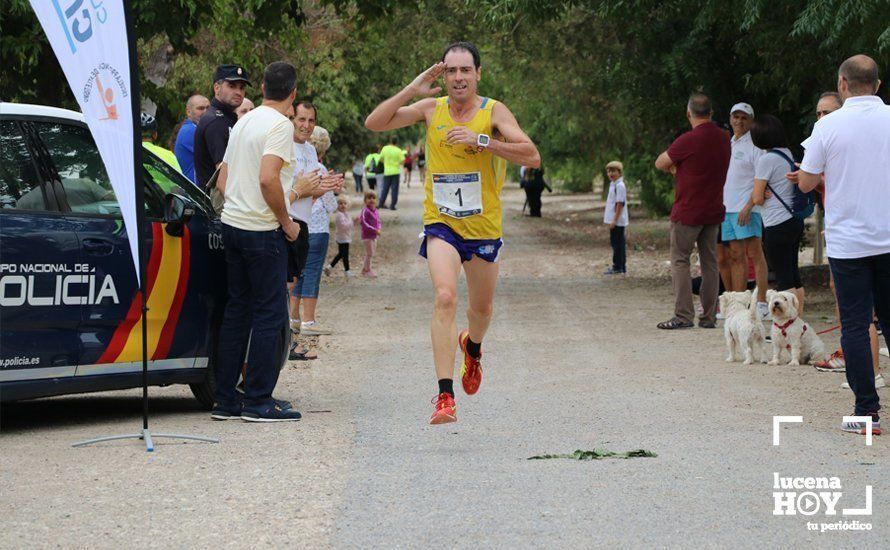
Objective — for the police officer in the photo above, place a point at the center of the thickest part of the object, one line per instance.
(212, 135)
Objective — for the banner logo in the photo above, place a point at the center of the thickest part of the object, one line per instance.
(105, 79)
(77, 19)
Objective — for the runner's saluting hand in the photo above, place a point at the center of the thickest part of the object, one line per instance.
(423, 84)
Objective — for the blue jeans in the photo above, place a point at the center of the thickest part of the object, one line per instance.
(307, 285)
(862, 286)
(256, 263)
(358, 182)
(390, 183)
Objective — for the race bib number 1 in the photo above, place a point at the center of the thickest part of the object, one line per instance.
(458, 195)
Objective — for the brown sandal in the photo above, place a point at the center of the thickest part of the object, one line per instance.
(674, 323)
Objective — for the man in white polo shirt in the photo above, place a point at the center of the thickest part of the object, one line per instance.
(255, 174)
(743, 236)
(852, 148)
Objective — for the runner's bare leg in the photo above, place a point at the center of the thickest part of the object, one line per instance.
(482, 278)
(444, 265)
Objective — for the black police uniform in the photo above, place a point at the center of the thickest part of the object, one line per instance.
(212, 134)
(211, 139)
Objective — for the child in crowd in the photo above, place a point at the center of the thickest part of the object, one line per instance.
(616, 217)
(342, 234)
(370, 224)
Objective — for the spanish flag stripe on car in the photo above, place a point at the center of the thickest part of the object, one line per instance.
(168, 270)
(166, 338)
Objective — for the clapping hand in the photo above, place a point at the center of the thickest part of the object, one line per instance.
(307, 184)
(333, 181)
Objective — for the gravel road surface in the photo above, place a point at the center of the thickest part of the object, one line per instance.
(572, 361)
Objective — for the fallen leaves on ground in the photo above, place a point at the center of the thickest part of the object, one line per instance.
(598, 454)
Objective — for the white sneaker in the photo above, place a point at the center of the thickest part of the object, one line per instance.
(295, 326)
(879, 383)
(884, 352)
(327, 270)
(763, 311)
(350, 273)
(720, 316)
(313, 329)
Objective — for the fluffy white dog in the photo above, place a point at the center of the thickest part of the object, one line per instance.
(742, 329)
(792, 337)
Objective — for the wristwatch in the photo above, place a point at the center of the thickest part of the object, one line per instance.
(482, 141)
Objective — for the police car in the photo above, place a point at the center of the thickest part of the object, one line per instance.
(69, 317)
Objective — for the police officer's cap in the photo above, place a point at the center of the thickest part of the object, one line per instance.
(231, 73)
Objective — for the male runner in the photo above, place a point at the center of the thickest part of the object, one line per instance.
(468, 140)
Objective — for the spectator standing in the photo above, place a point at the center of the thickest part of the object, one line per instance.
(828, 103)
(358, 171)
(616, 217)
(744, 240)
(393, 157)
(409, 165)
(533, 183)
(371, 161)
(212, 133)
(852, 148)
(369, 220)
(699, 160)
(343, 225)
(300, 207)
(255, 173)
(421, 164)
(150, 136)
(307, 287)
(783, 230)
(245, 107)
(184, 147)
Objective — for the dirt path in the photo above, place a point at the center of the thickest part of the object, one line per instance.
(573, 361)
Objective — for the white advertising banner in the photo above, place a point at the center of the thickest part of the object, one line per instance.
(89, 37)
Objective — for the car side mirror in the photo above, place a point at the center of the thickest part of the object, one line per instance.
(178, 210)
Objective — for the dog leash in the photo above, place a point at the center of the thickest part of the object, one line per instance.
(832, 329)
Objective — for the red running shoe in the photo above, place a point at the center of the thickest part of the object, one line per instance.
(446, 410)
(471, 369)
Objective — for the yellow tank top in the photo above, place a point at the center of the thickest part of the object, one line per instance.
(463, 184)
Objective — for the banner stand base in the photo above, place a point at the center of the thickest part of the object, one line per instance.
(146, 436)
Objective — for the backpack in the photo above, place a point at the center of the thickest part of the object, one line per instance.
(377, 165)
(802, 204)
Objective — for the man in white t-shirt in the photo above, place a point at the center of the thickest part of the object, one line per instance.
(744, 239)
(852, 148)
(255, 174)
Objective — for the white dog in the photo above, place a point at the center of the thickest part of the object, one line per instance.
(741, 329)
(791, 335)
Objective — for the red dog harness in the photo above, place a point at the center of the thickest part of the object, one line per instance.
(783, 328)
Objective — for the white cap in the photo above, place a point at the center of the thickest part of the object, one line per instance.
(743, 107)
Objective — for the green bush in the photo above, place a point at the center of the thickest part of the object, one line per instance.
(656, 187)
(571, 175)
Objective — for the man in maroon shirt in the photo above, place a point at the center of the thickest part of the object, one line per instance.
(698, 160)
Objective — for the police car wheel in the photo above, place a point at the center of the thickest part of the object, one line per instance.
(205, 391)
